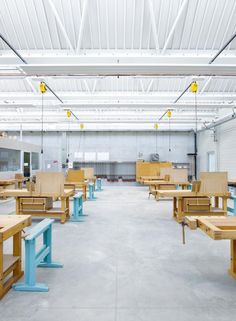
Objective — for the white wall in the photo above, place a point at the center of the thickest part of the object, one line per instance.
(224, 147)
(122, 146)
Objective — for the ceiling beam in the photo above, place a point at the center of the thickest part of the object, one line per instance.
(177, 19)
(141, 70)
(153, 24)
(133, 57)
(205, 85)
(82, 25)
(60, 24)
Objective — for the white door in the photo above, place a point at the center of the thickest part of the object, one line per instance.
(211, 162)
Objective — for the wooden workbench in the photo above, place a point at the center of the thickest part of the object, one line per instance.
(156, 185)
(150, 178)
(218, 228)
(63, 212)
(77, 186)
(178, 200)
(11, 226)
(19, 182)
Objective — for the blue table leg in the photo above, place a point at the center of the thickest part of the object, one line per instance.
(47, 242)
(30, 271)
(91, 192)
(78, 214)
(99, 185)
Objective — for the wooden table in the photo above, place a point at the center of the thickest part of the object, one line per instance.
(63, 212)
(156, 185)
(19, 182)
(11, 226)
(150, 178)
(77, 186)
(218, 228)
(178, 200)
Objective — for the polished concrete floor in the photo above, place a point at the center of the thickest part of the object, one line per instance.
(126, 262)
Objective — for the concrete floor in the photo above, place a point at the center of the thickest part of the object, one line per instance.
(126, 262)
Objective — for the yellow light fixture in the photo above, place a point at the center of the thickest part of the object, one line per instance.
(168, 114)
(156, 126)
(42, 87)
(81, 126)
(194, 87)
(68, 113)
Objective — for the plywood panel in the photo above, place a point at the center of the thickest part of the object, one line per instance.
(49, 183)
(74, 175)
(149, 168)
(214, 182)
(176, 174)
(88, 172)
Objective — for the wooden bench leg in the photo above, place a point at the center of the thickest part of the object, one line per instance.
(232, 270)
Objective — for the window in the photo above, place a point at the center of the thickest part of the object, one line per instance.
(35, 160)
(9, 160)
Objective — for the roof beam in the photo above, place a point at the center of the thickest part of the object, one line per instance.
(82, 24)
(139, 70)
(177, 19)
(205, 85)
(150, 86)
(29, 81)
(153, 23)
(60, 24)
(131, 57)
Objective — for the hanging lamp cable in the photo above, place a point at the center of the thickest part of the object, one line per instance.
(42, 126)
(169, 137)
(196, 115)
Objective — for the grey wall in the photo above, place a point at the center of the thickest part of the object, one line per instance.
(224, 148)
(122, 146)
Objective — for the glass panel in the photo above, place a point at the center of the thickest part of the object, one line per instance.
(35, 160)
(211, 162)
(9, 160)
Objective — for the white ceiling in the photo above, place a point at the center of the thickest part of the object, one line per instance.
(80, 47)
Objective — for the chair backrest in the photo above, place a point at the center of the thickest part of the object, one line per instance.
(74, 175)
(88, 172)
(214, 182)
(49, 183)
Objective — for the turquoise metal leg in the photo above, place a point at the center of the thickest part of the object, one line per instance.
(99, 185)
(47, 260)
(78, 214)
(232, 209)
(91, 196)
(43, 258)
(30, 271)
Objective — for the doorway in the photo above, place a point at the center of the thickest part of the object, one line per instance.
(211, 162)
(26, 164)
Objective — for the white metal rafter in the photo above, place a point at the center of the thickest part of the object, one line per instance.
(153, 22)
(60, 24)
(177, 19)
(82, 25)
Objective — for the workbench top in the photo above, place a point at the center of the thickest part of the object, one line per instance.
(189, 193)
(12, 224)
(26, 193)
(156, 182)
